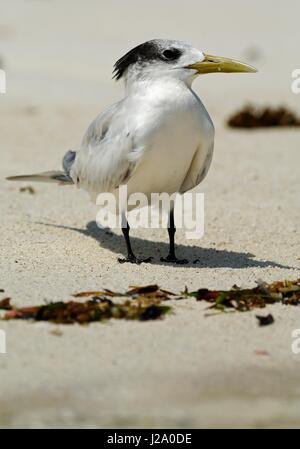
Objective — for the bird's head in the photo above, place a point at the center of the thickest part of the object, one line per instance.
(160, 58)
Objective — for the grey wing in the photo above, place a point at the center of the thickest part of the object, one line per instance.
(199, 167)
(108, 154)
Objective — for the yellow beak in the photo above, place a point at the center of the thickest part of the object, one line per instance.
(212, 64)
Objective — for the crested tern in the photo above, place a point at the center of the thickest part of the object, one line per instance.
(158, 138)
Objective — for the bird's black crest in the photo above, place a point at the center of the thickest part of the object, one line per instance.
(148, 51)
(143, 52)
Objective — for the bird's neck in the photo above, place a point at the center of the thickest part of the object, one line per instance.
(167, 83)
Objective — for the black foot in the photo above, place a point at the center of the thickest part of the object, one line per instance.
(133, 259)
(173, 259)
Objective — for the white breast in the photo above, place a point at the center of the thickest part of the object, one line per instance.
(173, 127)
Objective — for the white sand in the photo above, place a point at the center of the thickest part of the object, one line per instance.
(187, 370)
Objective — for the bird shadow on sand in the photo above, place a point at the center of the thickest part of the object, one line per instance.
(206, 257)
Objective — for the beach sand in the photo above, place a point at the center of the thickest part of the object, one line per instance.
(187, 370)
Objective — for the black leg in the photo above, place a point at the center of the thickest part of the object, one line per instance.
(171, 258)
(130, 255)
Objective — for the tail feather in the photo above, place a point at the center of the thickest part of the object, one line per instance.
(58, 177)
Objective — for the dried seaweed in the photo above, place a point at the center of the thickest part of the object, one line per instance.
(262, 352)
(101, 293)
(98, 308)
(5, 304)
(150, 291)
(265, 320)
(286, 292)
(27, 189)
(145, 303)
(252, 117)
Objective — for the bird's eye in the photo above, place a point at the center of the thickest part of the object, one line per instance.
(171, 54)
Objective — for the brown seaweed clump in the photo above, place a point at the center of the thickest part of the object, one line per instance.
(242, 300)
(27, 189)
(253, 117)
(142, 303)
